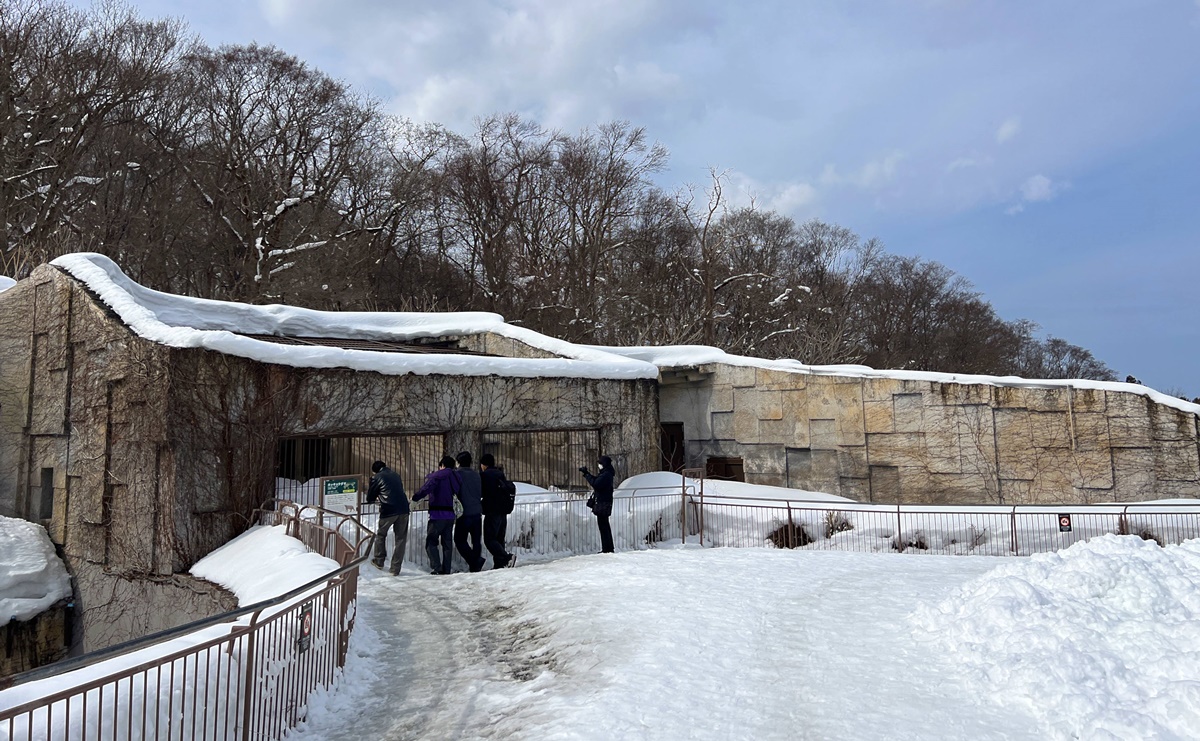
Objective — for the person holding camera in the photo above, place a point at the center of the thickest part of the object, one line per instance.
(601, 501)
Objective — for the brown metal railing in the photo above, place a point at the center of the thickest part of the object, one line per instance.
(246, 674)
(559, 524)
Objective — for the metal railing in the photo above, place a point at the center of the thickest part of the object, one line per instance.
(559, 524)
(246, 674)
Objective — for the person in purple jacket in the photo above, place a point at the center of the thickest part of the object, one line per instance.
(441, 486)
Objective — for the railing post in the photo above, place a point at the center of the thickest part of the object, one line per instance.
(683, 509)
(1012, 528)
(248, 683)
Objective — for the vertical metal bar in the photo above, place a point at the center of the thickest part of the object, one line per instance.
(248, 689)
(1013, 530)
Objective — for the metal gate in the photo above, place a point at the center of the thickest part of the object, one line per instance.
(301, 461)
(547, 458)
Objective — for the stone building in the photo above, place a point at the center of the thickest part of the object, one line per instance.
(143, 429)
(880, 436)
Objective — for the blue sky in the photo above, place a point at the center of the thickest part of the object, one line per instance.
(1047, 151)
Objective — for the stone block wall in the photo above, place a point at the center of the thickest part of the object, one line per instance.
(141, 459)
(86, 452)
(28, 644)
(889, 440)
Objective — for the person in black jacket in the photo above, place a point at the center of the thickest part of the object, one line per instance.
(469, 525)
(601, 500)
(387, 487)
(495, 511)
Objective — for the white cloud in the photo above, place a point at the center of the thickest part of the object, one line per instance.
(1037, 189)
(795, 199)
(966, 163)
(1040, 188)
(873, 174)
(1008, 130)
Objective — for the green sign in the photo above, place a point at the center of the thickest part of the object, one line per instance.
(340, 493)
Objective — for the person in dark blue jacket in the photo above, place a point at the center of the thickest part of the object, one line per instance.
(469, 524)
(601, 500)
(388, 489)
(441, 486)
(496, 506)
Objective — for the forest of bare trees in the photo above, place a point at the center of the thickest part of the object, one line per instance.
(242, 173)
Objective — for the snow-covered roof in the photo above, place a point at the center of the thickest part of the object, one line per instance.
(32, 577)
(676, 356)
(182, 321)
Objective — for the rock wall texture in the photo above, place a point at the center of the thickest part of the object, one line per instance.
(28, 644)
(893, 440)
(141, 459)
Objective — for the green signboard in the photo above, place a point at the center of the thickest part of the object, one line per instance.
(341, 493)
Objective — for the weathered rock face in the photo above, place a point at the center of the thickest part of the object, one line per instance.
(28, 644)
(140, 459)
(892, 440)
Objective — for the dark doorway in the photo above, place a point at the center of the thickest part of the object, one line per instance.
(671, 445)
(724, 469)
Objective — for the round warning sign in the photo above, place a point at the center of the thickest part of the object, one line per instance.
(1064, 523)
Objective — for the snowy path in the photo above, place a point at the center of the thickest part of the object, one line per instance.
(706, 644)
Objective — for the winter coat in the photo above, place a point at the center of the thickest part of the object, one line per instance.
(441, 487)
(495, 500)
(471, 494)
(387, 487)
(602, 486)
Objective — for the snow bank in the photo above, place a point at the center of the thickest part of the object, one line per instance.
(181, 321)
(262, 563)
(659, 482)
(1101, 640)
(32, 577)
(668, 356)
(6, 283)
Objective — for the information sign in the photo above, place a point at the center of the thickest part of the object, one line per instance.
(341, 493)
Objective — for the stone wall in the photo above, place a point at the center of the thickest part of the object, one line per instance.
(28, 644)
(85, 451)
(141, 459)
(889, 440)
(228, 414)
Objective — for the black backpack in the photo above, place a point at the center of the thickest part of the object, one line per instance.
(509, 490)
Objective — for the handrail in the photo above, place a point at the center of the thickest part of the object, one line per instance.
(94, 657)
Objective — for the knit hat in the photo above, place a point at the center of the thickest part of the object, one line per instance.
(487, 459)
(606, 461)
(464, 459)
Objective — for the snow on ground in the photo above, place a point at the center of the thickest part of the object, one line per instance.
(1100, 641)
(660, 482)
(663, 644)
(32, 576)
(262, 563)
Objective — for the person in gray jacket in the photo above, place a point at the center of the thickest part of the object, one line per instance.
(469, 525)
(388, 489)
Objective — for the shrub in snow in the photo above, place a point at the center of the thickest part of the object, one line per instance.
(915, 540)
(789, 535)
(836, 522)
(1127, 525)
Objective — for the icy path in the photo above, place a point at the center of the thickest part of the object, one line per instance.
(667, 644)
